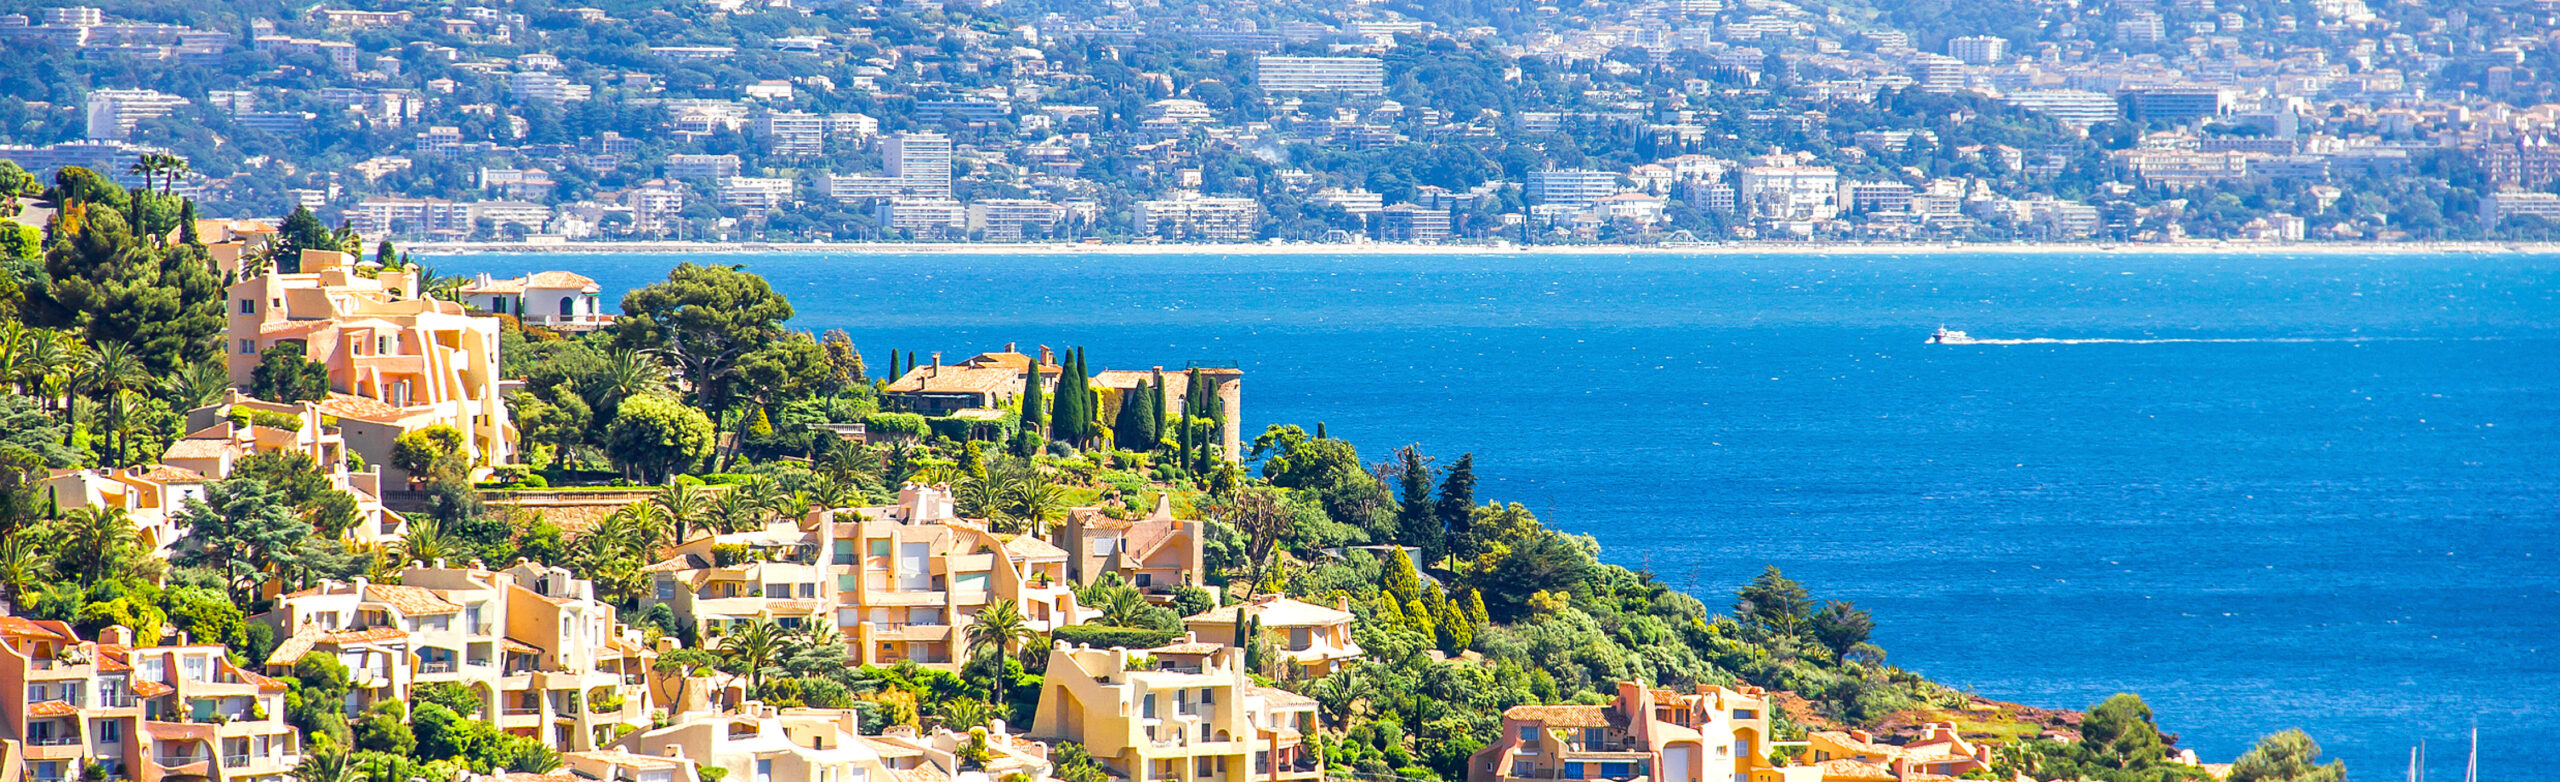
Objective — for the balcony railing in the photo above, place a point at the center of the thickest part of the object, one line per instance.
(177, 760)
(439, 666)
(235, 761)
(54, 741)
(116, 701)
(521, 711)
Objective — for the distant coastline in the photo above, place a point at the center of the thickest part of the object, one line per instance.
(1727, 248)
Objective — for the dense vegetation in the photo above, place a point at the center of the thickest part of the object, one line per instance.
(1466, 606)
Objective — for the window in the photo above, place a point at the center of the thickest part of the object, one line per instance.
(764, 770)
(1528, 734)
(1746, 714)
(248, 306)
(1146, 580)
(1572, 771)
(110, 732)
(880, 548)
(971, 582)
(1149, 712)
(809, 590)
(845, 553)
(194, 667)
(666, 590)
(248, 347)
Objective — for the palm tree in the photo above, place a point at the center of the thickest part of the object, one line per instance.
(21, 567)
(737, 511)
(1034, 497)
(199, 384)
(829, 494)
(981, 498)
(97, 543)
(428, 541)
(115, 369)
(683, 506)
(754, 647)
(999, 626)
(47, 363)
(173, 168)
(328, 763)
(1124, 607)
(651, 530)
(13, 348)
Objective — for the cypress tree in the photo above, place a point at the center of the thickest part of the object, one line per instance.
(1155, 407)
(384, 254)
(1130, 429)
(1320, 430)
(187, 222)
(893, 367)
(1034, 413)
(1456, 509)
(1417, 522)
(1092, 397)
(1066, 414)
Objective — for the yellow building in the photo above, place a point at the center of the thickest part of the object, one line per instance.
(154, 713)
(425, 361)
(545, 657)
(1180, 713)
(910, 578)
(1714, 734)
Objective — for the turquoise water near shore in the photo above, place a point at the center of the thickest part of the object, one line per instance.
(2348, 520)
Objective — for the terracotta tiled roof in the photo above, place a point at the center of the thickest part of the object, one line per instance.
(1853, 770)
(1029, 547)
(676, 564)
(409, 600)
(625, 758)
(22, 626)
(52, 709)
(1095, 518)
(561, 280)
(196, 448)
(1275, 611)
(357, 407)
(373, 636)
(1189, 647)
(167, 474)
(950, 379)
(1279, 697)
(1146, 537)
(518, 647)
(1560, 716)
(151, 689)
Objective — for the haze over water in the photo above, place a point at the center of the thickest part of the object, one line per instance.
(2348, 520)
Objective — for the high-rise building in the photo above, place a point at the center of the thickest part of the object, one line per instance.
(1979, 49)
(1572, 187)
(921, 162)
(1937, 72)
(1409, 223)
(1352, 75)
(2080, 108)
(113, 113)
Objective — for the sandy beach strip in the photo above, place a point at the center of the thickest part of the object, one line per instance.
(1381, 248)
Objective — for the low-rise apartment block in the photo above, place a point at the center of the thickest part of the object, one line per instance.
(1713, 734)
(1316, 639)
(149, 713)
(1180, 713)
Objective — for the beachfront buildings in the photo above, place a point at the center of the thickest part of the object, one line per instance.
(546, 658)
(560, 301)
(1713, 734)
(1180, 713)
(148, 713)
(1317, 639)
(425, 362)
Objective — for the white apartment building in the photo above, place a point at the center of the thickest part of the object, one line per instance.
(1355, 201)
(1008, 219)
(113, 113)
(1190, 215)
(924, 218)
(1791, 192)
(1571, 186)
(2495, 208)
(792, 133)
(1349, 75)
(2079, 108)
(656, 208)
(755, 193)
(700, 167)
(545, 87)
(1979, 49)
(921, 162)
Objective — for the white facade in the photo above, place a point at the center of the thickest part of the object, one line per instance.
(1351, 75)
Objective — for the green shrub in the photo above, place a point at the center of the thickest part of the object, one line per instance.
(901, 425)
(1106, 637)
(242, 416)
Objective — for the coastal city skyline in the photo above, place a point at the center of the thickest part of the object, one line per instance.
(1278, 390)
(1673, 122)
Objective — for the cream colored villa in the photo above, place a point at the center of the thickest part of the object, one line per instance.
(1714, 734)
(1188, 713)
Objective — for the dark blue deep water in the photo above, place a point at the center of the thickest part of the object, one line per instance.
(2357, 535)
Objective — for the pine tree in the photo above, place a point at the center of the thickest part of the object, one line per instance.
(1402, 580)
(384, 254)
(1475, 611)
(1456, 509)
(1034, 412)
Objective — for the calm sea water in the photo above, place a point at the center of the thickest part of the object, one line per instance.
(2355, 531)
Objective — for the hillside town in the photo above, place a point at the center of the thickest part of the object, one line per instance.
(1652, 122)
(353, 520)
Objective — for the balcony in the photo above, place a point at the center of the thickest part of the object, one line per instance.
(437, 666)
(54, 741)
(236, 761)
(522, 711)
(116, 700)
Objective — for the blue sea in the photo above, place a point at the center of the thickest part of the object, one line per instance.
(2344, 517)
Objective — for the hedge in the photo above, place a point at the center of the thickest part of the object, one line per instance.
(1106, 636)
(894, 425)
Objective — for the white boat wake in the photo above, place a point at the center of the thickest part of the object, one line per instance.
(2175, 340)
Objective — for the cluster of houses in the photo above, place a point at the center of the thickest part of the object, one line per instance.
(899, 583)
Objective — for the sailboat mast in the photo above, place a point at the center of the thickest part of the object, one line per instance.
(2471, 768)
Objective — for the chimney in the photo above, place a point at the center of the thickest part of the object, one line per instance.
(1045, 358)
(936, 371)
(1863, 737)
(1008, 347)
